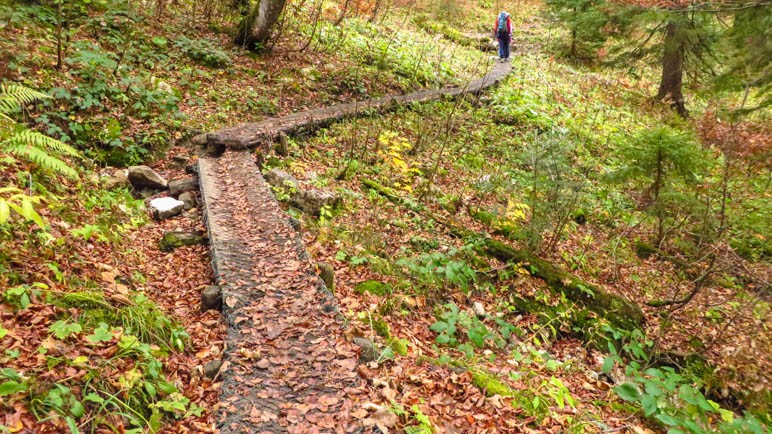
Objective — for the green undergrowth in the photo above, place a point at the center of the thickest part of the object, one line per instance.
(126, 85)
(553, 160)
(94, 360)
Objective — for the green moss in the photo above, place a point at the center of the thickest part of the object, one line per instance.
(424, 244)
(399, 346)
(373, 287)
(381, 327)
(644, 250)
(490, 384)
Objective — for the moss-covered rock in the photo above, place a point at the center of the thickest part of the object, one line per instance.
(176, 239)
(490, 385)
(327, 273)
(645, 250)
(381, 327)
(373, 287)
(398, 346)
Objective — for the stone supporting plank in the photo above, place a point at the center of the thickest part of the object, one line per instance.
(265, 133)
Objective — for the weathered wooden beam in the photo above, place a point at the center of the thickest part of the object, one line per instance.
(264, 133)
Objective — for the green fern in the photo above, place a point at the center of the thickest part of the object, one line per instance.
(30, 145)
(14, 96)
(35, 147)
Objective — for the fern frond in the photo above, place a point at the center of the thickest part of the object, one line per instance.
(41, 158)
(8, 105)
(14, 96)
(29, 137)
(20, 94)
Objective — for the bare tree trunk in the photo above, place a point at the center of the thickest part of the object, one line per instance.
(376, 9)
(59, 35)
(342, 13)
(255, 28)
(670, 87)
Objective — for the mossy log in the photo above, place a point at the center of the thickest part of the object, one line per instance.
(617, 310)
(580, 322)
(499, 226)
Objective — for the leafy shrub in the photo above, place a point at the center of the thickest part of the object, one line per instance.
(676, 402)
(436, 269)
(207, 52)
(672, 399)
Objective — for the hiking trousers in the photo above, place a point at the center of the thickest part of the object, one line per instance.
(504, 40)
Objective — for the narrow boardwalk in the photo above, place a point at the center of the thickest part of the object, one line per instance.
(287, 367)
(265, 132)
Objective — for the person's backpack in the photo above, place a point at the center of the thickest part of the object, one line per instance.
(502, 25)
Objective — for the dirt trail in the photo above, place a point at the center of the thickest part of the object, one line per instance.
(287, 366)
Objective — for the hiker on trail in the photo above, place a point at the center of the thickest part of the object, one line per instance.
(503, 34)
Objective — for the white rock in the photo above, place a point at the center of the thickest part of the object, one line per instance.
(165, 207)
(478, 309)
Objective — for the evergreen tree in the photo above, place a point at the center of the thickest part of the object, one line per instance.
(585, 20)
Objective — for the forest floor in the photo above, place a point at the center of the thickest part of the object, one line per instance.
(501, 370)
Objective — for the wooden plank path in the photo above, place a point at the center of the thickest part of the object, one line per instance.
(265, 132)
(287, 367)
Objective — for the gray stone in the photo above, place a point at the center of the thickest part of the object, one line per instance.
(189, 199)
(178, 186)
(164, 207)
(180, 160)
(119, 179)
(312, 201)
(367, 350)
(211, 298)
(176, 239)
(281, 179)
(327, 273)
(212, 368)
(143, 176)
(199, 139)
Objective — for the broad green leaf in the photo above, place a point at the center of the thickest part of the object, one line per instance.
(63, 329)
(628, 392)
(93, 397)
(668, 419)
(726, 415)
(439, 326)
(11, 387)
(649, 404)
(77, 409)
(72, 425)
(150, 388)
(608, 364)
(5, 211)
(652, 389)
(101, 334)
(442, 339)
(3, 332)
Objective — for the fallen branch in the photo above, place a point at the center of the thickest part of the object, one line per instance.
(617, 310)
